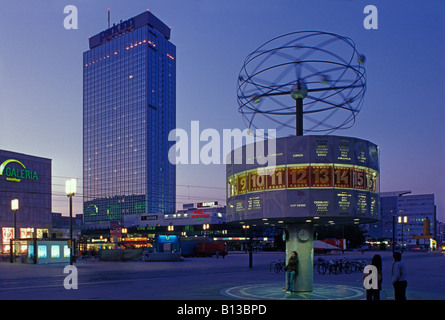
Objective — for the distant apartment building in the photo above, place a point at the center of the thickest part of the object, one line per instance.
(409, 218)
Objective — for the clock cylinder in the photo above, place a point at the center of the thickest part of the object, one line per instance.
(303, 181)
(325, 179)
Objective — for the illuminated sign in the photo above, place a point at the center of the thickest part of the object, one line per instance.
(26, 233)
(135, 239)
(199, 214)
(7, 235)
(103, 240)
(117, 29)
(167, 239)
(207, 204)
(16, 172)
(41, 232)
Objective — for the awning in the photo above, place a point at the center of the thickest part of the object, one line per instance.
(323, 245)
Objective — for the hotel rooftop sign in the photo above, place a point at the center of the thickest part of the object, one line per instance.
(145, 18)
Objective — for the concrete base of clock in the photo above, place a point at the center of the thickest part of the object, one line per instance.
(303, 243)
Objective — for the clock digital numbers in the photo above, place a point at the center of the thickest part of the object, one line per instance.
(304, 176)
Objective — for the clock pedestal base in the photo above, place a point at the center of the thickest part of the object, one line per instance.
(303, 243)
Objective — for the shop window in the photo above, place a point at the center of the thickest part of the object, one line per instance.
(41, 251)
(55, 251)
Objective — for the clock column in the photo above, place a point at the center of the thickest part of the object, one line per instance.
(300, 238)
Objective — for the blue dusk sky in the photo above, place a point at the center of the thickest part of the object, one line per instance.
(403, 111)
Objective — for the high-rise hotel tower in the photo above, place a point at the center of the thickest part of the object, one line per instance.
(129, 107)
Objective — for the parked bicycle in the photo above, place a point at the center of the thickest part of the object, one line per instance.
(338, 266)
(327, 266)
(277, 266)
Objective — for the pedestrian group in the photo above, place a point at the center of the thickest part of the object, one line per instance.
(398, 276)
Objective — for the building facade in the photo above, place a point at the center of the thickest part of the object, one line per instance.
(28, 179)
(420, 221)
(129, 108)
(201, 214)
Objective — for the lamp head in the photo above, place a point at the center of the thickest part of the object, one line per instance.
(70, 187)
(14, 204)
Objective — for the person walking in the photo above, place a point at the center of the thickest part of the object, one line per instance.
(399, 277)
(374, 294)
(291, 272)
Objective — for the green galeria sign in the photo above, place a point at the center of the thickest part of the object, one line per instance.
(16, 173)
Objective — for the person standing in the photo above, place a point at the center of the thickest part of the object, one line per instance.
(399, 277)
(374, 294)
(291, 271)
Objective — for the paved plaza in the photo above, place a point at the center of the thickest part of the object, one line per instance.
(213, 279)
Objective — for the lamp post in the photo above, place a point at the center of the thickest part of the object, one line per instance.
(402, 220)
(14, 208)
(247, 227)
(70, 190)
(393, 233)
(394, 222)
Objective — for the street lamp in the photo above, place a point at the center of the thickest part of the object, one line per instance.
(247, 228)
(402, 220)
(70, 190)
(14, 208)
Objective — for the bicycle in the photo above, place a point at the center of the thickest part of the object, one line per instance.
(333, 266)
(277, 266)
(322, 266)
(360, 265)
(338, 266)
(348, 267)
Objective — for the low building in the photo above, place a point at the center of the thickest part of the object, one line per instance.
(202, 213)
(27, 179)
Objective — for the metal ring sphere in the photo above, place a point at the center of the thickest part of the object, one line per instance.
(324, 69)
